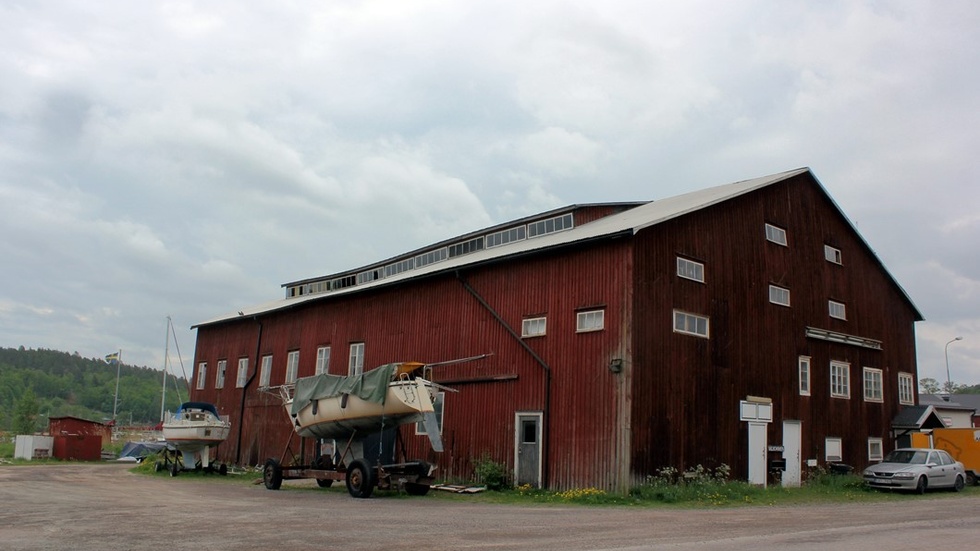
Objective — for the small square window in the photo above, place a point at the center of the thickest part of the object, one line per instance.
(593, 320)
(689, 269)
(876, 450)
(778, 295)
(833, 449)
(776, 235)
(690, 324)
(837, 310)
(831, 254)
(534, 327)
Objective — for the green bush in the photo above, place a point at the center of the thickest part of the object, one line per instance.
(490, 473)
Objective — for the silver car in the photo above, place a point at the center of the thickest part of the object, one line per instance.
(916, 469)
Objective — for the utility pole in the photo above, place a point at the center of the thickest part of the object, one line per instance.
(115, 401)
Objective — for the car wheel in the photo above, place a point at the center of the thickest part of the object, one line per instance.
(920, 486)
(958, 484)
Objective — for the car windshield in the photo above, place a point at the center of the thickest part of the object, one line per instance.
(913, 457)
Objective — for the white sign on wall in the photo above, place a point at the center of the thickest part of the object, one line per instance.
(755, 411)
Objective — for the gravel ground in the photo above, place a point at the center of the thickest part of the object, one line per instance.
(104, 506)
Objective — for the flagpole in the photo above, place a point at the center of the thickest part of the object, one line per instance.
(166, 358)
(115, 401)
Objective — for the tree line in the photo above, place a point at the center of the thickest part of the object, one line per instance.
(36, 385)
(932, 386)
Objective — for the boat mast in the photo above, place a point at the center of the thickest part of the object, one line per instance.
(166, 359)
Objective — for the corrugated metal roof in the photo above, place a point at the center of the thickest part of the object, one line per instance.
(629, 221)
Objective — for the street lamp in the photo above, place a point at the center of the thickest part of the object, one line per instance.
(949, 384)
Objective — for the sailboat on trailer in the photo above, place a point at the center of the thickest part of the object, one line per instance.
(194, 429)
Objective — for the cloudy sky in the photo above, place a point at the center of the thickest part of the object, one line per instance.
(187, 158)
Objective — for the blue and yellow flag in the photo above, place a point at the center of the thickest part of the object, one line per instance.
(112, 358)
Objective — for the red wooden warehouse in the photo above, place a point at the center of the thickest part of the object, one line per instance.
(739, 325)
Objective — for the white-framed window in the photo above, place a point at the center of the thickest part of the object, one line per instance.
(219, 375)
(506, 236)
(438, 404)
(906, 389)
(292, 366)
(242, 373)
(534, 327)
(202, 374)
(873, 385)
(778, 295)
(804, 365)
(840, 380)
(265, 374)
(591, 320)
(689, 269)
(551, 225)
(837, 309)
(356, 364)
(833, 449)
(690, 324)
(831, 254)
(322, 360)
(876, 449)
(776, 235)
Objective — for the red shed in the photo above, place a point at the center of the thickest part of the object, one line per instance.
(741, 325)
(78, 439)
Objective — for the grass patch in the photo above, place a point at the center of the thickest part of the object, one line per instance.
(700, 488)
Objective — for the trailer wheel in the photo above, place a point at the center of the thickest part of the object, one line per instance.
(272, 475)
(324, 463)
(971, 479)
(157, 467)
(416, 489)
(223, 469)
(360, 479)
(174, 468)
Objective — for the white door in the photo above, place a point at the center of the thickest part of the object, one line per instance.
(527, 449)
(791, 453)
(758, 442)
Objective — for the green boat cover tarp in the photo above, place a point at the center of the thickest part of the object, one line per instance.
(370, 387)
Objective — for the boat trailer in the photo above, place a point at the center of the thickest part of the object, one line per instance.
(360, 475)
(173, 462)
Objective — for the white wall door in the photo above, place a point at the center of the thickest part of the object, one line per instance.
(791, 453)
(527, 449)
(758, 443)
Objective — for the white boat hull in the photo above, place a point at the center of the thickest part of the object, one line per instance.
(194, 430)
(192, 438)
(340, 417)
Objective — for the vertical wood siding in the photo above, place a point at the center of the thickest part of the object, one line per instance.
(437, 319)
(692, 386)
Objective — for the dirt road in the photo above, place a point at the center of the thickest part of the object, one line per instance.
(105, 507)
